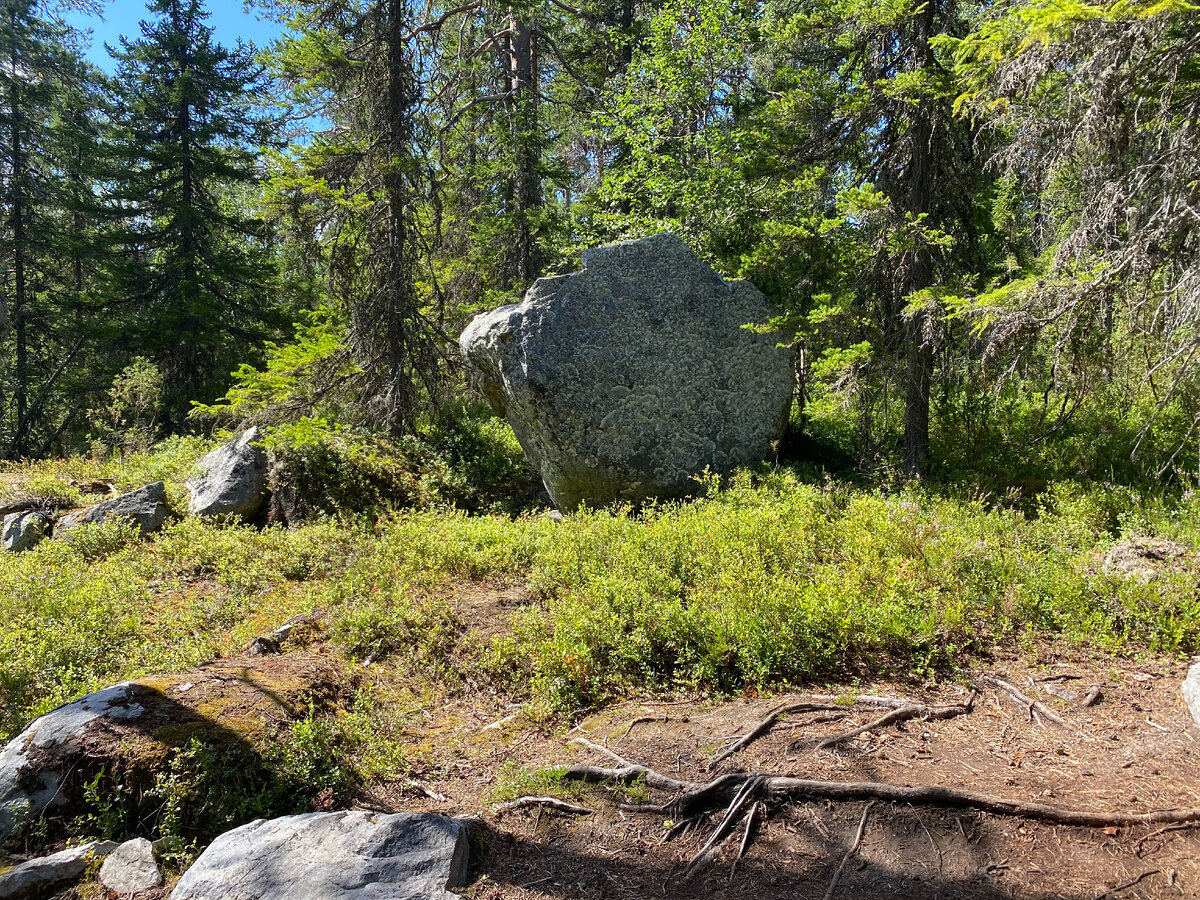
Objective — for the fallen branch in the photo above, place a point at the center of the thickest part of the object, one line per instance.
(1029, 703)
(902, 714)
(862, 828)
(542, 803)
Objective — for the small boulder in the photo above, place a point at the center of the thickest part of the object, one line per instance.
(136, 727)
(626, 379)
(232, 479)
(39, 877)
(22, 530)
(131, 868)
(145, 508)
(1191, 692)
(332, 856)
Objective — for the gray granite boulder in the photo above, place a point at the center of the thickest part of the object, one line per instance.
(1191, 692)
(232, 479)
(28, 787)
(39, 877)
(332, 856)
(131, 868)
(145, 508)
(22, 530)
(624, 380)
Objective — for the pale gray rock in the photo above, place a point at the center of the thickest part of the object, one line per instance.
(22, 530)
(232, 479)
(1191, 692)
(131, 868)
(28, 787)
(146, 508)
(39, 877)
(624, 380)
(332, 856)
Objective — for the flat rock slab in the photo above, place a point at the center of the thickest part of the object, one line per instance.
(625, 380)
(131, 868)
(332, 856)
(146, 509)
(232, 479)
(50, 873)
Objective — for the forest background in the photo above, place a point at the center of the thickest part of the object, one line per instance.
(978, 221)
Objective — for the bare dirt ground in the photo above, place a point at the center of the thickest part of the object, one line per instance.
(1135, 750)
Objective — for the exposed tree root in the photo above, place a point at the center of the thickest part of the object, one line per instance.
(858, 838)
(767, 724)
(1125, 885)
(902, 714)
(693, 796)
(542, 803)
(1031, 706)
(899, 711)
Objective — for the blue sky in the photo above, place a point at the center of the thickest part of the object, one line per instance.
(228, 19)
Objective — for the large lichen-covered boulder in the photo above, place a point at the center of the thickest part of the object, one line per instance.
(332, 856)
(626, 379)
(146, 509)
(136, 728)
(232, 479)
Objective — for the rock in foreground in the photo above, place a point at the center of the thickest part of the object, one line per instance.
(39, 877)
(130, 869)
(146, 509)
(232, 479)
(332, 856)
(624, 380)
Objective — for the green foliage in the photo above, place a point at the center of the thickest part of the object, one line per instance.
(787, 582)
(108, 807)
(207, 789)
(127, 421)
(202, 277)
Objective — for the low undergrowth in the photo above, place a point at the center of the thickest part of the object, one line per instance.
(765, 581)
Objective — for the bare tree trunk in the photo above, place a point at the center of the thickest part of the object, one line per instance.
(918, 347)
(17, 225)
(526, 189)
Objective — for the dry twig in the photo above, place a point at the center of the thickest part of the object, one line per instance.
(643, 719)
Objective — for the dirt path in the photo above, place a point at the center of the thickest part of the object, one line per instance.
(1134, 751)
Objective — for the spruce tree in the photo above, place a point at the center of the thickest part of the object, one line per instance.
(199, 275)
(47, 205)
